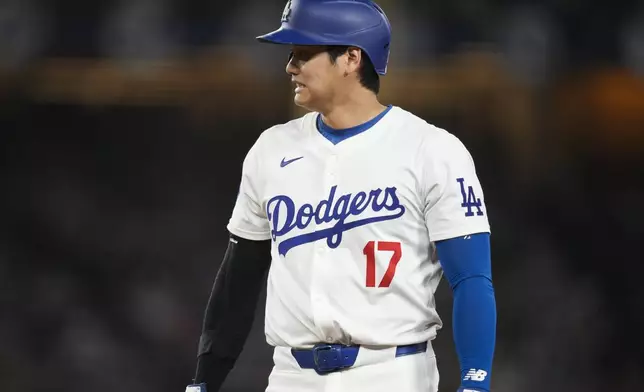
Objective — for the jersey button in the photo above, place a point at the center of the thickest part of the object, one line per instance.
(329, 339)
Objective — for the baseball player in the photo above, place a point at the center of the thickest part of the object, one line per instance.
(362, 208)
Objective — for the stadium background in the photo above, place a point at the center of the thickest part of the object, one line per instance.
(124, 124)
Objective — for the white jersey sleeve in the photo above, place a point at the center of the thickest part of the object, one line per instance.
(454, 202)
(248, 218)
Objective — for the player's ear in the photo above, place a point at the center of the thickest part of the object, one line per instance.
(353, 59)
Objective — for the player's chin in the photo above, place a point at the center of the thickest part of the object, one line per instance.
(301, 99)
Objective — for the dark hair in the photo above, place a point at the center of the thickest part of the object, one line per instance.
(369, 78)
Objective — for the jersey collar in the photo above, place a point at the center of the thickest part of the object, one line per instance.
(335, 136)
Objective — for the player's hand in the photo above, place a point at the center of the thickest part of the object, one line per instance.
(196, 388)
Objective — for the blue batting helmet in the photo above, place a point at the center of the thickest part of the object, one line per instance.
(359, 23)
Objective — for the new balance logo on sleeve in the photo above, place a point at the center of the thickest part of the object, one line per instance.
(475, 375)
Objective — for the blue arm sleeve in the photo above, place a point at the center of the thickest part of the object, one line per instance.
(466, 262)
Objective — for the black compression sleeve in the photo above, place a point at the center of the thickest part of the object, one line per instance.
(230, 310)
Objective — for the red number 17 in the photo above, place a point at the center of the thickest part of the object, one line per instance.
(370, 252)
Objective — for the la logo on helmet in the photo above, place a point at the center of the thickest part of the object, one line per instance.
(287, 11)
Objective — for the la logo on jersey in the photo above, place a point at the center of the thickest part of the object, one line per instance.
(469, 199)
(285, 216)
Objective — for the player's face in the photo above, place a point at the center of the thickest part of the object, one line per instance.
(314, 76)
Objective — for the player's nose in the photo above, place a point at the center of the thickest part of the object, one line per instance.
(291, 69)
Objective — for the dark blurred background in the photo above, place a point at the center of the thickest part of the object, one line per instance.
(124, 125)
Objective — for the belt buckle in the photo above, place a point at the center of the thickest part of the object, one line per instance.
(327, 358)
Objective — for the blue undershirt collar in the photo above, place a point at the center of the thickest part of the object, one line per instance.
(335, 136)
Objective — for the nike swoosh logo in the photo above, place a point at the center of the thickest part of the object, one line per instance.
(284, 162)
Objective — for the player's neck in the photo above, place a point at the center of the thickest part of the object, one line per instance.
(355, 109)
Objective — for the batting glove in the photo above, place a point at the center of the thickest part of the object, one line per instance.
(196, 388)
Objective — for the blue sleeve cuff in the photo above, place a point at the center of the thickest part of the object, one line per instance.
(466, 262)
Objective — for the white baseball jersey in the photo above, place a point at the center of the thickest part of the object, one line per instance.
(351, 226)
